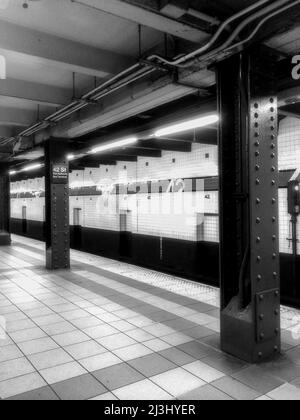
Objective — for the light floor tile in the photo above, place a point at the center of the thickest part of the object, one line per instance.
(132, 352)
(38, 346)
(73, 337)
(116, 341)
(142, 391)
(5, 340)
(62, 373)
(107, 317)
(176, 339)
(14, 368)
(100, 331)
(20, 385)
(28, 335)
(87, 322)
(123, 326)
(14, 326)
(9, 352)
(159, 330)
(48, 320)
(85, 350)
(60, 328)
(140, 335)
(157, 345)
(101, 361)
(105, 397)
(73, 315)
(177, 382)
(50, 359)
(286, 392)
(203, 371)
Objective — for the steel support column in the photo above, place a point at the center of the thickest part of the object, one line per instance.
(57, 205)
(250, 284)
(5, 238)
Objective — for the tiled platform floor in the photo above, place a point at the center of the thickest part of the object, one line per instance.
(107, 330)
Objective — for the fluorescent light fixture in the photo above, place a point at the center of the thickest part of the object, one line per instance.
(2, 67)
(12, 172)
(32, 167)
(115, 145)
(71, 157)
(188, 125)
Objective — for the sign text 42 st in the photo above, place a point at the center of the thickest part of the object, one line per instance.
(296, 67)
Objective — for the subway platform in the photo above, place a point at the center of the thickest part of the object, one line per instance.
(107, 330)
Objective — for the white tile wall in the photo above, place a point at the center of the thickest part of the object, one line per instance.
(289, 144)
(168, 215)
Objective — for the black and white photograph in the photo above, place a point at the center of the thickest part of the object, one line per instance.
(150, 203)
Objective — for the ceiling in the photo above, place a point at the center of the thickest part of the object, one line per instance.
(57, 50)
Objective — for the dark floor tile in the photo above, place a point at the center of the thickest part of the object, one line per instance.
(296, 382)
(212, 341)
(289, 338)
(224, 363)
(146, 309)
(201, 307)
(282, 368)
(215, 313)
(199, 332)
(152, 365)
(80, 388)
(163, 316)
(256, 378)
(205, 393)
(117, 376)
(180, 324)
(195, 349)
(294, 355)
(177, 356)
(236, 389)
(41, 394)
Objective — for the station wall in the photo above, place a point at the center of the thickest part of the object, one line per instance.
(157, 212)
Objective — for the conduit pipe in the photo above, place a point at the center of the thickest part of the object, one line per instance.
(135, 72)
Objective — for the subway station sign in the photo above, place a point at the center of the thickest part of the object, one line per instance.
(296, 67)
(60, 173)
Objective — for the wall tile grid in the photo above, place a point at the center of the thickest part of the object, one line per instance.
(173, 215)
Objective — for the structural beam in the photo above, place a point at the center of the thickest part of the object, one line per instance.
(65, 54)
(34, 92)
(57, 205)
(249, 213)
(139, 151)
(131, 102)
(16, 117)
(6, 132)
(169, 145)
(147, 17)
(5, 238)
(118, 158)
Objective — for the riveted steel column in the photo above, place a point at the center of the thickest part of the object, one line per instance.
(5, 238)
(249, 228)
(57, 205)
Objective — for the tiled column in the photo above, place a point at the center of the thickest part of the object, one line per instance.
(57, 205)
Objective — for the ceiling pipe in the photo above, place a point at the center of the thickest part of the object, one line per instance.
(146, 69)
(203, 16)
(216, 36)
(226, 47)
